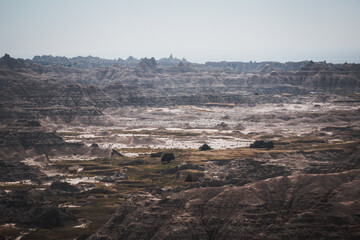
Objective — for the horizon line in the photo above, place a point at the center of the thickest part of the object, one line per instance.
(195, 62)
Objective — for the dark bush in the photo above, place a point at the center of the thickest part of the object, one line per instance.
(204, 147)
(167, 157)
(262, 144)
(189, 178)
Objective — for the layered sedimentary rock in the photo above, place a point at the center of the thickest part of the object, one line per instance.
(273, 194)
(48, 86)
(21, 208)
(324, 206)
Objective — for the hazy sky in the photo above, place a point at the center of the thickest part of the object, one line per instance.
(199, 30)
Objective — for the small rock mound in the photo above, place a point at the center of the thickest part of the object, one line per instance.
(140, 140)
(222, 126)
(51, 216)
(63, 186)
(115, 153)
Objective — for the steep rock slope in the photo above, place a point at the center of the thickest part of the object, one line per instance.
(324, 206)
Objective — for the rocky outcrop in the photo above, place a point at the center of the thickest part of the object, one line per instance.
(22, 209)
(147, 67)
(170, 61)
(181, 67)
(324, 206)
(19, 137)
(8, 62)
(63, 187)
(88, 62)
(13, 170)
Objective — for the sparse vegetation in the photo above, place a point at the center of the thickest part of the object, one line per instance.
(167, 157)
(262, 144)
(157, 154)
(189, 178)
(204, 147)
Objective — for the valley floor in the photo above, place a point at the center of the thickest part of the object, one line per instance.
(115, 166)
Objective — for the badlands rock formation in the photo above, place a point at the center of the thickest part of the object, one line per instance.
(50, 87)
(81, 137)
(324, 206)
